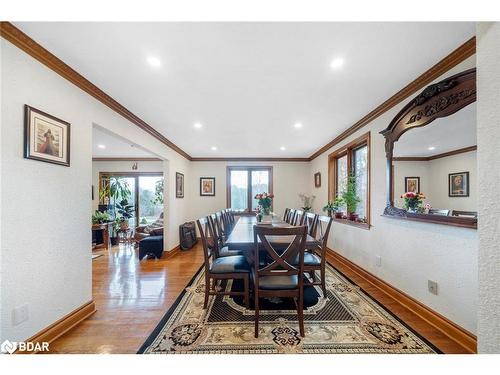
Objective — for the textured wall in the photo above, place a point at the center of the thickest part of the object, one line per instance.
(411, 252)
(488, 115)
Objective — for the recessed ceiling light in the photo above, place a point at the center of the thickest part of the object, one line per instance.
(337, 63)
(431, 148)
(213, 148)
(198, 125)
(101, 146)
(154, 61)
(297, 125)
(282, 148)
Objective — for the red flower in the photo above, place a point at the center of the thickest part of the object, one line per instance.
(271, 195)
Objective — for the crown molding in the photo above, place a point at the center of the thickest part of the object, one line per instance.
(436, 156)
(124, 159)
(463, 52)
(251, 159)
(22, 41)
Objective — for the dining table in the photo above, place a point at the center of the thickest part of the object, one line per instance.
(241, 237)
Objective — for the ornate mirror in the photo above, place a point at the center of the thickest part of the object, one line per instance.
(431, 170)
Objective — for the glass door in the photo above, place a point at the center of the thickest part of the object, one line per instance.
(150, 198)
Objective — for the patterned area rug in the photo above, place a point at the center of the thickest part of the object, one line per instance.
(347, 321)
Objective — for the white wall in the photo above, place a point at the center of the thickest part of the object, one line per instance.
(434, 180)
(46, 208)
(119, 166)
(289, 179)
(488, 125)
(411, 252)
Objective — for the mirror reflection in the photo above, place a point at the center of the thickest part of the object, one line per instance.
(434, 167)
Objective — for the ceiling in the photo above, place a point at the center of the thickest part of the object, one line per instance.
(444, 134)
(249, 83)
(114, 146)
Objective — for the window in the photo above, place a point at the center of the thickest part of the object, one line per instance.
(243, 183)
(353, 158)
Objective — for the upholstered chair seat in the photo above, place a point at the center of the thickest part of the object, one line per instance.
(225, 252)
(278, 282)
(230, 264)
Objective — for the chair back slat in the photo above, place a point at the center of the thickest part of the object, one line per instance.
(283, 263)
(299, 218)
(204, 229)
(311, 222)
(291, 216)
(285, 214)
(322, 232)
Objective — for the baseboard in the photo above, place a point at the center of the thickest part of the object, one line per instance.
(456, 333)
(171, 253)
(63, 325)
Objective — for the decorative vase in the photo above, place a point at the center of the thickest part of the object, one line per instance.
(124, 224)
(338, 215)
(353, 216)
(267, 219)
(259, 218)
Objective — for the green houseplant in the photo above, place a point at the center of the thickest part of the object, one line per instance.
(334, 207)
(115, 191)
(125, 211)
(99, 217)
(350, 197)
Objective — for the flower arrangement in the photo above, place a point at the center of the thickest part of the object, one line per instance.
(307, 201)
(413, 201)
(265, 201)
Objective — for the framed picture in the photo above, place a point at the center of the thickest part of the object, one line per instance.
(412, 184)
(179, 185)
(46, 138)
(458, 184)
(317, 179)
(207, 186)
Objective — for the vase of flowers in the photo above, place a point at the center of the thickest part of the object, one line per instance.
(413, 201)
(265, 202)
(307, 201)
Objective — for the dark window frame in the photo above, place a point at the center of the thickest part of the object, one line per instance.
(249, 170)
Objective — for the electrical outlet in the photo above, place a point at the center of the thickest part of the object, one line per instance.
(432, 286)
(20, 314)
(378, 261)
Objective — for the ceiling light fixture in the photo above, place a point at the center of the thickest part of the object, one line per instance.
(198, 125)
(282, 148)
(101, 146)
(337, 63)
(154, 61)
(297, 125)
(214, 148)
(431, 148)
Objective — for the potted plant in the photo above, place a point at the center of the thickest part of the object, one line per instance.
(333, 207)
(265, 202)
(116, 189)
(99, 217)
(126, 211)
(350, 198)
(413, 201)
(307, 201)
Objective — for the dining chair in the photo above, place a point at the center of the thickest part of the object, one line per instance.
(223, 268)
(311, 222)
(220, 248)
(316, 261)
(285, 214)
(291, 216)
(298, 218)
(226, 223)
(279, 277)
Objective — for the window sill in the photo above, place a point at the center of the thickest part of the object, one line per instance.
(353, 223)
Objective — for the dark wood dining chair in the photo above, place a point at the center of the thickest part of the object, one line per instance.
(280, 276)
(311, 222)
(285, 214)
(219, 246)
(223, 268)
(316, 261)
(227, 227)
(298, 218)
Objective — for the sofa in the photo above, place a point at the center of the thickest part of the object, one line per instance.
(145, 231)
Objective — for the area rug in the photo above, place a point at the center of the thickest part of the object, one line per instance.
(346, 321)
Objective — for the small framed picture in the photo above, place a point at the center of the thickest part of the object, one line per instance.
(317, 179)
(46, 138)
(207, 186)
(458, 184)
(412, 184)
(179, 185)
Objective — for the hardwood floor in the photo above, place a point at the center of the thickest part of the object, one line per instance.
(132, 296)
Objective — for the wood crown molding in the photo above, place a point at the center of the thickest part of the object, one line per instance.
(437, 156)
(252, 159)
(454, 58)
(15, 36)
(462, 337)
(125, 159)
(63, 325)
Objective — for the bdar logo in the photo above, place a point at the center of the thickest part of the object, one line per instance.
(8, 347)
